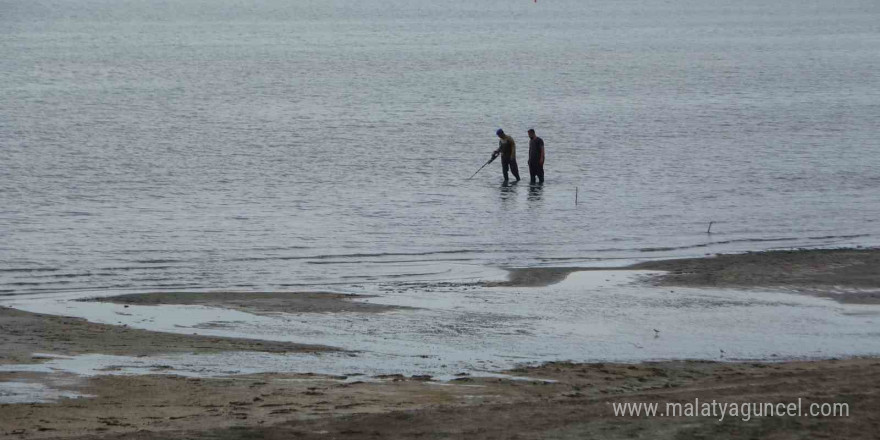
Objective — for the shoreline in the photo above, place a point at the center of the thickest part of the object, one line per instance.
(850, 276)
(562, 398)
(846, 275)
(24, 333)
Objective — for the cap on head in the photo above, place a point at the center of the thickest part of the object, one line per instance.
(499, 132)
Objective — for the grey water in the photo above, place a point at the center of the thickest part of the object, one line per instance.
(270, 144)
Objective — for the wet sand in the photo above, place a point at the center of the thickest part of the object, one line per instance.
(576, 404)
(535, 276)
(846, 275)
(23, 333)
(257, 302)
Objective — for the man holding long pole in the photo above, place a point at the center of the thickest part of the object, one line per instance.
(507, 149)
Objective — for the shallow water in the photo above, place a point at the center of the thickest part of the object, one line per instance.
(26, 392)
(151, 145)
(591, 316)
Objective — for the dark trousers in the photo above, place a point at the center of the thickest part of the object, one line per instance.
(536, 170)
(509, 162)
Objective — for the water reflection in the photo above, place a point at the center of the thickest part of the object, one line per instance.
(536, 192)
(508, 191)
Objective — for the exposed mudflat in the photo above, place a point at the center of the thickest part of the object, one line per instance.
(564, 400)
(256, 302)
(535, 276)
(464, 335)
(24, 333)
(846, 275)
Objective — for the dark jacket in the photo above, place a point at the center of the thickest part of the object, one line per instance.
(536, 150)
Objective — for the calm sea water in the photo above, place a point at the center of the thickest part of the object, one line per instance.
(149, 144)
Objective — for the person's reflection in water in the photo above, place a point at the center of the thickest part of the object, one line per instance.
(508, 192)
(536, 191)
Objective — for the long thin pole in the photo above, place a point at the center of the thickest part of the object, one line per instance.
(575, 196)
(484, 166)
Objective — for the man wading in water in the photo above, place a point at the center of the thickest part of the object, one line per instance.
(507, 148)
(536, 156)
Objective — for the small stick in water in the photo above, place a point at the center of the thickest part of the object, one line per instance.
(575, 196)
(709, 231)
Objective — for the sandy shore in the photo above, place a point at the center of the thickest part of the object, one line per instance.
(576, 404)
(848, 275)
(563, 401)
(24, 333)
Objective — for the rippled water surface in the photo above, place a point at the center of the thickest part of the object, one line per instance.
(148, 144)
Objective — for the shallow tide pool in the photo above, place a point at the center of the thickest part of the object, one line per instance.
(601, 315)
